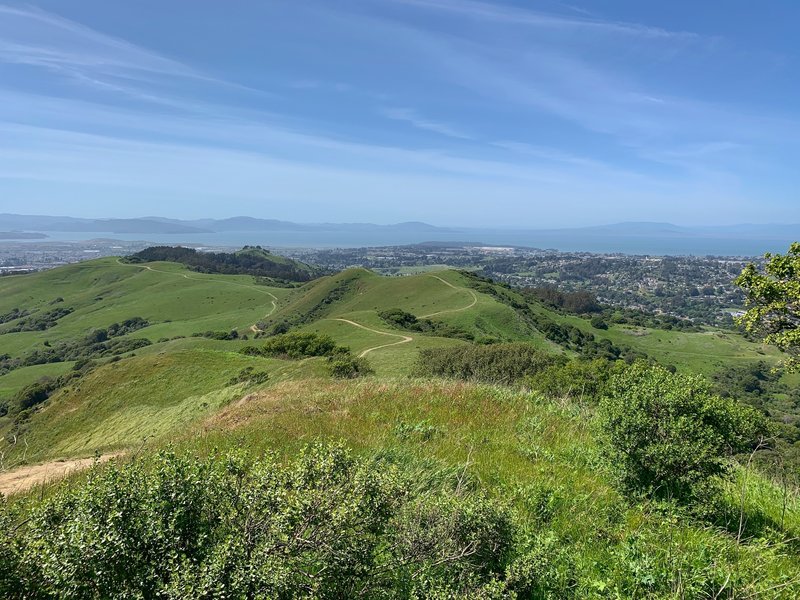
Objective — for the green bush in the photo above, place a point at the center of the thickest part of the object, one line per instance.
(668, 436)
(347, 366)
(39, 322)
(249, 376)
(496, 363)
(577, 378)
(326, 525)
(33, 394)
(296, 345)
(397, 317)
(218, 335)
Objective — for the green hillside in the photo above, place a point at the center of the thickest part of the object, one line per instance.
(537, 457)
(178, 304)
(250, 260)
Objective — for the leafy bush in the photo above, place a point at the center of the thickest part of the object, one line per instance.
(249, 376)
(296, 345)
(127, 326)
(668, 436)
(496, 363)
(347, 366)
(576, 378)
(326, 525)
(397, 317)
(33, 394)
(13, 314)
(218, 335)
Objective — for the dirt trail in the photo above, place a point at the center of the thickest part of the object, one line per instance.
(452, 310)
(405, 338)
(24, 478)
(254, 327)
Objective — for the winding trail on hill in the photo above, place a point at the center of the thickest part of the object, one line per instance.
(24, 478)
(405, 338)
(254, 327)
(452, 310)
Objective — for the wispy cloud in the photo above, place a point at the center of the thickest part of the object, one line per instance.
(413, 118)
(35, 37)
(527, 112)
(443, 188)
(519, 16)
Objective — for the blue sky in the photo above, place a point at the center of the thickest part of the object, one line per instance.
(454, 112)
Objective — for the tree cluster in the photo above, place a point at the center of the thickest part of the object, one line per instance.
(400, 319)
(259, 264)
(40, 321)
(97, 343)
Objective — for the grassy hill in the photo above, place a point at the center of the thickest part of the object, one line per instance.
(538, 455)
(250, 260)
(177, 304)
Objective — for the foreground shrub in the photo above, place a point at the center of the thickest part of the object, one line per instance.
(668, 436)
(326, 525)
(496, 363)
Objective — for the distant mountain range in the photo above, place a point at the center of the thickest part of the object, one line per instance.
(13, 222)
(629, 237)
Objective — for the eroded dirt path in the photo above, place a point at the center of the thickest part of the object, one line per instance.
(24, 478)
(405, 338)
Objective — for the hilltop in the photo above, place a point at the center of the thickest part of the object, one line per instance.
(250, 260)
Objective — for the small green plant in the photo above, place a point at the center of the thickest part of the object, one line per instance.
(423, 430)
